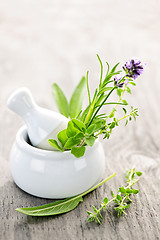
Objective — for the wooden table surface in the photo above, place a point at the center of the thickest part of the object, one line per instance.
(45, 41)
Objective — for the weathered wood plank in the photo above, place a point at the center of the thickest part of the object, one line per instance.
(58, 41)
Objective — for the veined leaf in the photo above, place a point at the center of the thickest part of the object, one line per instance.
(60, 99)
(90, 141)
(62, 137)
(54, 208)
(55, 144)
(91, 128)
(100, 98)
(119, 92)
(61, 206)
(105, 89)
(78, 151)
(114, 68)
(84, 114)
(79, 125)
(75, 104)
(71, 142)
(71, 131)
(108, 77)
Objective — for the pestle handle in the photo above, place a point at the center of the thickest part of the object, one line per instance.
(21, 102)
(42, 123)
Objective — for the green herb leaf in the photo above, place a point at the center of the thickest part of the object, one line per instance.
(61, 206)
(61, 100)
(62, 137)
(90, 141)
(91, 128)
(119, 197)
(139, 173)
(71, 142)
(135, 191)
(119, 92)
(125, 111)
(105, 89)
(132, 83)
(128, 90)
(75, 104)
(54, 208)
(55, 144)
(78, 151)
(125, 102)
(84, 114)
(105, 200)
(71, 130)
(79, 125)
(91, 219)
(94, 209)
(128, 190)
(122, 190)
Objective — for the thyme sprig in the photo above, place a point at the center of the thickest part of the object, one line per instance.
(121, 199)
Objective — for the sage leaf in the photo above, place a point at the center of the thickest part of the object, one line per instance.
(60, 99)
(55, 144)
(61, 206)
(55, 208)
(75, 104)
(78, 151)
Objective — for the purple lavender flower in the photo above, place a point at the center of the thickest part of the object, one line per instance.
(133, 68)
(118, 83)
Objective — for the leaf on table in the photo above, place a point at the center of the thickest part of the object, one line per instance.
(54, 208)
(61, 206)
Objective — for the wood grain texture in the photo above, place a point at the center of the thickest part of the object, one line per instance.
(57, 41)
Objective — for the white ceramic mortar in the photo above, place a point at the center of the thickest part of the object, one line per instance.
(52, 174)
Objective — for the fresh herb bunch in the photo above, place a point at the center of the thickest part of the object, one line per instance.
(122, 199)
(85, 126)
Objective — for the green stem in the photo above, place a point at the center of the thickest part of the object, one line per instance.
(116, 103)
(90, 110)
(101, 105)
(120, 98)
(98, 185)
(108, 124)
(101, 71)
(89, 97)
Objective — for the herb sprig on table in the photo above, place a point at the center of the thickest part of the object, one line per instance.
(121, 199)
(85, 126)
(61, 206)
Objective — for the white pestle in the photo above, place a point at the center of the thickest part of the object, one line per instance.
(42, 124)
